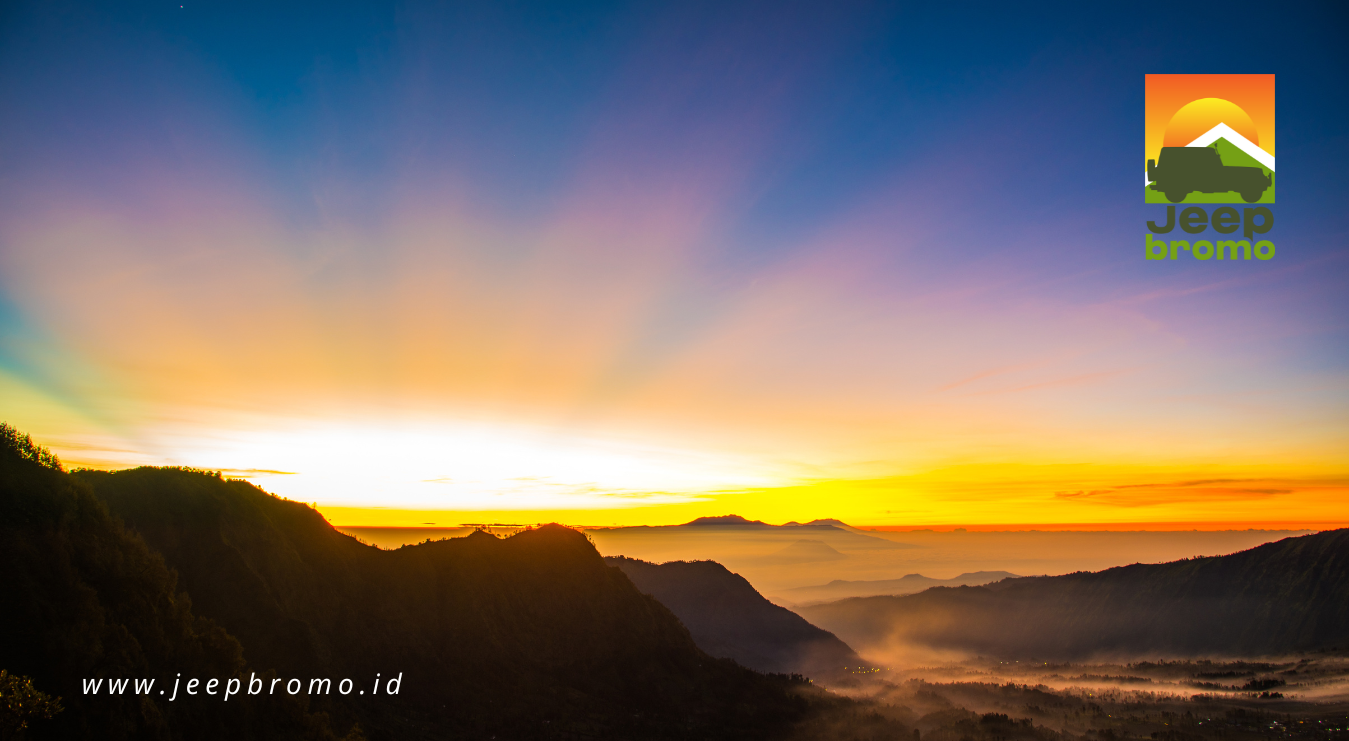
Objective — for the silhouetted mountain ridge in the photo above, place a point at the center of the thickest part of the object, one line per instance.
(907, 584)
(86, 598)
(728, 617)
(529, 635)
(1282, 597)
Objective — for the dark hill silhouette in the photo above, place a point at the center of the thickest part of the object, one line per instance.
(908, 584)
(531, 636)
(729, 618)
(1282, 597)
(85, 598)
(803, 551)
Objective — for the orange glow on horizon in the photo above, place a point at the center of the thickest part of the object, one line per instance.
(973, 497)
(1115, 527)
(351, 517)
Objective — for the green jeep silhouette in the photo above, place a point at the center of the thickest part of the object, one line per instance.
(1183, 170)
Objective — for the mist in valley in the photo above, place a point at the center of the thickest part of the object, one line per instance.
(1189, 648)
(977, 698)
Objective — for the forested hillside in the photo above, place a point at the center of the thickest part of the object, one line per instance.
(86, 598)
(161, 572)
(526, 636)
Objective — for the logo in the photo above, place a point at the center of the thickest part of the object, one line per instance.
(1209, 139)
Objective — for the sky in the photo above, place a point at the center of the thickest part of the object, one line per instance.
(635, 263)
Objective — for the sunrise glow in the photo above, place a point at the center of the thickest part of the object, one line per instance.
(672, 292)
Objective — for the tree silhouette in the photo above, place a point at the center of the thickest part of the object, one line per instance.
(21, 702)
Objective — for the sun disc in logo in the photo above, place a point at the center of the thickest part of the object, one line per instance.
(1198, 117)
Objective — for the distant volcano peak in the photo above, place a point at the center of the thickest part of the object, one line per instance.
(728, 520)
(739, 521)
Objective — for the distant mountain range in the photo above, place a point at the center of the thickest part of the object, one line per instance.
(910, 584)
(832, 533)
(1290, 595)
(724, 521)
(728, 617)
(738, 521)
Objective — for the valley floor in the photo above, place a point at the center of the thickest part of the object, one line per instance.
(985, 700)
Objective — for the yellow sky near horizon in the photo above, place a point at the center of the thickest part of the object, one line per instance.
(429, 474)
(982, 497)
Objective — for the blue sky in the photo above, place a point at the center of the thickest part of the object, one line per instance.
(771, 231)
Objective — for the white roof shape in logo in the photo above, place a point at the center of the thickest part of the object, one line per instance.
(1223, 131)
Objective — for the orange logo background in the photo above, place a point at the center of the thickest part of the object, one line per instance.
(1180, 108)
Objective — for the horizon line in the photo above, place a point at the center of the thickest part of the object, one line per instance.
(1219, 526)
